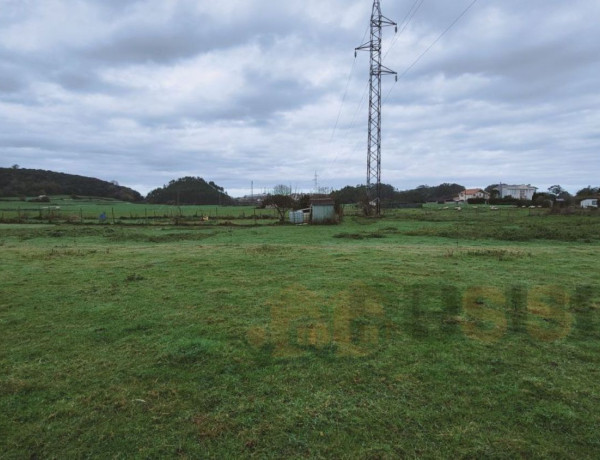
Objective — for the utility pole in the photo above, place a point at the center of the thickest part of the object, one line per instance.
(378, 21)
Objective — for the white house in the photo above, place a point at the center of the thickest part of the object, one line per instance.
(589, 203)
(520, 192)
(473, 193)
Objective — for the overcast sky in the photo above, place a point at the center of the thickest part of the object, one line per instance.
(236, 91)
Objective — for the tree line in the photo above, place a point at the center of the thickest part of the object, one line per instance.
(389, 195)
(15, 182)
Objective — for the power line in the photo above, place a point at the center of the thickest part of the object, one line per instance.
(404, 24)
(415, 62)
(390, 91)
(346, 91)
(409, 16)
(439, 38)
(343, 100)
(360, 106)
(353, 120)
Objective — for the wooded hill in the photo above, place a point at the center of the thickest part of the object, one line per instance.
(35, 182)
(190, 190)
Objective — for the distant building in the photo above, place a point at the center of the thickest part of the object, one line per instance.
(589, 203)
(252, 200)
(520, 192)
(472, 193)
(322, 211)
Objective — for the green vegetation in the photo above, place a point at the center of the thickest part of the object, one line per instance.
(87, 210)
(428, 333)
(285, 203)
(35, 182)
(190, 190)
(421, 194)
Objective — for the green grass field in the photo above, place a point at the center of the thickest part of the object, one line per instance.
(87, 210)
(425, 334)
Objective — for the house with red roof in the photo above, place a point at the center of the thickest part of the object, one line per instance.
(470, 193)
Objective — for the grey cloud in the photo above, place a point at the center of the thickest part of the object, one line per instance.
(147, 45)
(10, 81)
(540, 69)
(190, 33)
(81, 80)
(12, 77)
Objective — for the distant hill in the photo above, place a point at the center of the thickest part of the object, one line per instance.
(190, 190)
(35, 182)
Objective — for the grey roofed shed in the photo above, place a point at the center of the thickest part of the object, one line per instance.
(322, 210)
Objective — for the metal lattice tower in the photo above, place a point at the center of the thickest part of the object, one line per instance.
(378, 21)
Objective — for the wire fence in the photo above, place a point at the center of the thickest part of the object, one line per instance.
(133, 214)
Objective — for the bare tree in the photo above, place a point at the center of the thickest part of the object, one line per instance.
(282, 189)
(282, 203)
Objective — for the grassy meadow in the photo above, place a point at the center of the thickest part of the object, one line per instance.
(428, 333)
(87, 210)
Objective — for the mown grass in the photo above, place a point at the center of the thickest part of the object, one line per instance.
(285, 341)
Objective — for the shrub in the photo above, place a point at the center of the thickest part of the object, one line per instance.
(476, 201)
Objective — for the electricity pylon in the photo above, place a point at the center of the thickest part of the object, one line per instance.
(378, 21)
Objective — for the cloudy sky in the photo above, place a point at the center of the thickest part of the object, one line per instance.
(145, 91)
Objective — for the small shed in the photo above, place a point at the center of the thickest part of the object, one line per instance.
(301, 216)
(322, 211)
(589, 203)
(296, 217)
